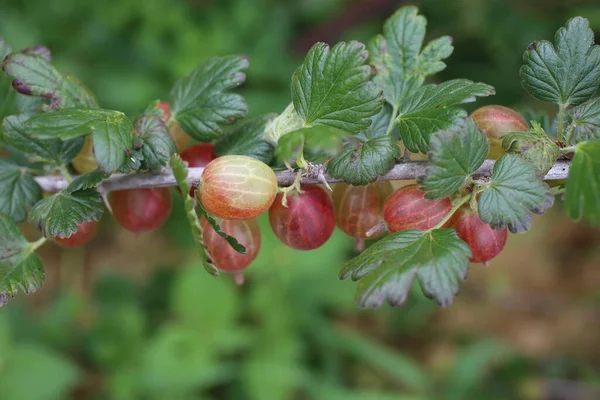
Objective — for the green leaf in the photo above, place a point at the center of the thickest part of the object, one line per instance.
(201, 101)
(431, 109)
(35, 76)
(583, 184)
(515, 190)
(400, 62)
(567, 74)
(60, 214)
(319, 143)
(437, 258)
(20, 268)
(455, 154)
(332, 88)
(180, 172)
(585, 121)
(54, 151)
(535, 147)
(87, 181)
(18, 191)
(237, 246)
(112, 132)
(248, 140)
(157, 144)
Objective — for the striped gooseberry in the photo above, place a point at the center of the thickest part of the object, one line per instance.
(359, 208)
(407, 208)
(85, 232)
(496, 121)
(141, 210)
(484, 241)
(223, 256)
(237, 187)
(308, 220)
(197, 156)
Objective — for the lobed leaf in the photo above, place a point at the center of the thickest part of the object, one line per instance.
(332, 88)
(53, 151)
(535, 147)
(567, 73)
(454, 155)
(157, 145)
(60, 214)
(248, 140)
(585, 121)
(20, 268)
(86, 181)
(201, 101)
(18, 191)
(431, 109)
(400, 62)
(35, 76)
(515, 191)
(583, 185)
(437, 258)
(319, 143)
(112, 132)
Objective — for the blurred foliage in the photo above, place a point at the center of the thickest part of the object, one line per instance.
(293, 331)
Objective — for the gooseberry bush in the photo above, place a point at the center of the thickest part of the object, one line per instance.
(357, 115)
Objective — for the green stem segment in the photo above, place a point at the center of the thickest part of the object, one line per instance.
(560, 134)
(65, 172)
(460, 202)
(390, 127)
(37, 244)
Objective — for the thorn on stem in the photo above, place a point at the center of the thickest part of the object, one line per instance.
(379, 228)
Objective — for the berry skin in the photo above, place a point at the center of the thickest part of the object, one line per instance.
(141, 210)
(307, 222)
(406, 208)
(181, 138)
(197, 156)
(85, 232)
(359, 208)
(237, 187)
(223, 256)
(85, 161)
(485, 242)
(496, 121)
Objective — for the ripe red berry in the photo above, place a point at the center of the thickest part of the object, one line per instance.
(141, 210)
(308, 220)
(359, 208)
(237, 187)
(223, 256)
(485, 242)
(85, 232)
(198, 155)
(406, 208)
(496, 121)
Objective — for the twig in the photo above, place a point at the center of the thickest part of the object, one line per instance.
(403, 171)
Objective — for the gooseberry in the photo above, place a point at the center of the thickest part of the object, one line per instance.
(198, 155)
(181, 138)
(308, 220)
(359, 208)
(223, 256)
(407, 208)
(496, 121)
(484, 241)
(237, 187)
(141, 210)
(85, 161)
(85, 232)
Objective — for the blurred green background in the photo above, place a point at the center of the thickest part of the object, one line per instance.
(135, 317)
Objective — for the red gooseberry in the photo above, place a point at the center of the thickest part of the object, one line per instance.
(85, 232)
(359, 208)
(224, 257)
(407, 208)
(197, 156)
(484, 241)
(181, 138)
(237, 187)
(308, 220)
(141, 210)
(496, 121)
